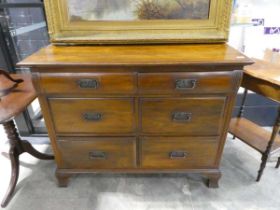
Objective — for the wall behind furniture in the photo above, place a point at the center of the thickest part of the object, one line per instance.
(2, 61)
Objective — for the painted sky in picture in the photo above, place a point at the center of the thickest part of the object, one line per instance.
(129, 10)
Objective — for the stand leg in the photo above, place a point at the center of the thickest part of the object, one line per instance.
(266, 154)
(14, 157)
(278, 163)
(213, 179)
(242, 107)
(17, 147)
(27, 147)
(62, 179)
(262, 167)
(15, 151)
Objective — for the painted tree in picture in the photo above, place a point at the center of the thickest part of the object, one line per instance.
(173, 9)
(138, 9)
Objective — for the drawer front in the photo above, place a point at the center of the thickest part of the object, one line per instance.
(182, 116)
(88, 83)
(178, 152)
(98, 153)
(178, 83)
(94, 116)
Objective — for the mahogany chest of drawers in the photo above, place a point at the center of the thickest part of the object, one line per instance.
(137, 109)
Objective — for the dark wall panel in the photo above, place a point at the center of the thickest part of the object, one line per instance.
(3, 64)
(259, 109)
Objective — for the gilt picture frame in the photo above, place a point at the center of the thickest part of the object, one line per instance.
(138, 21)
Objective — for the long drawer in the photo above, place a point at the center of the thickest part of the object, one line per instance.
(127, 83)
(94, 116)
(88, 83)
(182, 116)
(178, 152)
(97, 153)
(185, 83)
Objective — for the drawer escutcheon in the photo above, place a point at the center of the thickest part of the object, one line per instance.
(88, 83)
(95, 116)
(93, 155)
(178, 155)
(181, 116)
(183, 84)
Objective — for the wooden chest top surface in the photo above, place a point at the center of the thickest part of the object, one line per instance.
(133, 55)
(265, 71)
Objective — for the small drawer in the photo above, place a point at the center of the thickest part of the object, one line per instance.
(93, 116)
(97, 153)
(172, 83)
(182, 116)
(178, 152)
(88, 83)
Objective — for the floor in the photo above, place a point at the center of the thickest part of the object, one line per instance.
(238, 190)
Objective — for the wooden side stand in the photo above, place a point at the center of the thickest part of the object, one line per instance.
(14, 100)
(262, 79)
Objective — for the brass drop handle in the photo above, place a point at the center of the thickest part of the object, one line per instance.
(185, 84)
(88, 83)
(181, 116)
(93, 116)
(178, 155)
(97, 155)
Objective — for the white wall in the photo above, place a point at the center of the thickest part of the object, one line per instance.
(252, 37)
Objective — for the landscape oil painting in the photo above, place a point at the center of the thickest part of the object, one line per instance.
(133, 10)
(138, 21)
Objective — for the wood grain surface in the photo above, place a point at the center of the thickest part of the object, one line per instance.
(138, 103)
(136, 55)
(18, 99)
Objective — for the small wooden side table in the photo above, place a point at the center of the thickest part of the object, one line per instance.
(16, 93)
(263, 78)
